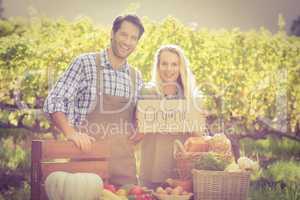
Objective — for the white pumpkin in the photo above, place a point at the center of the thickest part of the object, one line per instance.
(73, 186)
(54, 185)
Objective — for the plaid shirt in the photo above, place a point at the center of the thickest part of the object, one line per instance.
(75, 91)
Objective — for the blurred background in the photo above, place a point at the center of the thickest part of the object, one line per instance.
(245, 56)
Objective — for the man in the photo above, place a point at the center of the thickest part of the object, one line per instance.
(96, 96)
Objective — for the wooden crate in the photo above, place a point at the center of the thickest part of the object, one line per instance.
(51, 155)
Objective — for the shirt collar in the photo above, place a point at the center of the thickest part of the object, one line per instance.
(106, 63)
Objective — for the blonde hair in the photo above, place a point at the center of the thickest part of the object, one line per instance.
(186, 78)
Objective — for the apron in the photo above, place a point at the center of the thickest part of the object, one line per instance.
(157, 161)
(111, 121)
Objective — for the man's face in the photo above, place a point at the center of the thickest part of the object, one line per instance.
(124, 41)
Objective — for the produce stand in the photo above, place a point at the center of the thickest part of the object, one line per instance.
(51, 155)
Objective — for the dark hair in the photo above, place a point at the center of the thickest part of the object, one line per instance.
(130, 18)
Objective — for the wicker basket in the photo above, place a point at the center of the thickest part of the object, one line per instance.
(185, 161)
(220, 185)
(173, 197)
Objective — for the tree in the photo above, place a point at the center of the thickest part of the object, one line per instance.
(295, 28)
(249, 79)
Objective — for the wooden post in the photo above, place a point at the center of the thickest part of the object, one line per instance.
(36, 155)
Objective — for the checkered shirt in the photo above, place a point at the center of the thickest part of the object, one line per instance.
(75, 91)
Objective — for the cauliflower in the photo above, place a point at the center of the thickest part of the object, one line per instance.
(247, 164)
(219, 143)
(233, 167)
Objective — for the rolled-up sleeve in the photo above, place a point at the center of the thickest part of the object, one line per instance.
(62, 95)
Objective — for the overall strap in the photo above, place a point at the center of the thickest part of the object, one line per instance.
(133, 81)
(99, 83)
(99, 78)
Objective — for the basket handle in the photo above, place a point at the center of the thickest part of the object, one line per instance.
(178, 147)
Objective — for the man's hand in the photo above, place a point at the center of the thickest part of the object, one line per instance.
(82, 141)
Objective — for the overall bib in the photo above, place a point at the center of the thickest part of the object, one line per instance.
(112, 121)
(157, 160)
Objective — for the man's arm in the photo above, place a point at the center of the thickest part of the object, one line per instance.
(60, 120)
(59, 100)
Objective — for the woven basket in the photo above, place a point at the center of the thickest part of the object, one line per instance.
(173, 197)
(185, 161)
(220, 185)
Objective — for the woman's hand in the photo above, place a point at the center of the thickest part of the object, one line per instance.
(135, 138)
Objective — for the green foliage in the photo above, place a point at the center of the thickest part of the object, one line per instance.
(272, 148)
(290, 192)
(12, 155)
(14, 168)
(287, 172)
(254, 74)
(278, 179)
(17, 193)
(249, 70)
(211, 161)
(16, 26)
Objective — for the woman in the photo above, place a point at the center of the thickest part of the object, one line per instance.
(171, 79)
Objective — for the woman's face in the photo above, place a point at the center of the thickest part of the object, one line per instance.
(168, 66)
